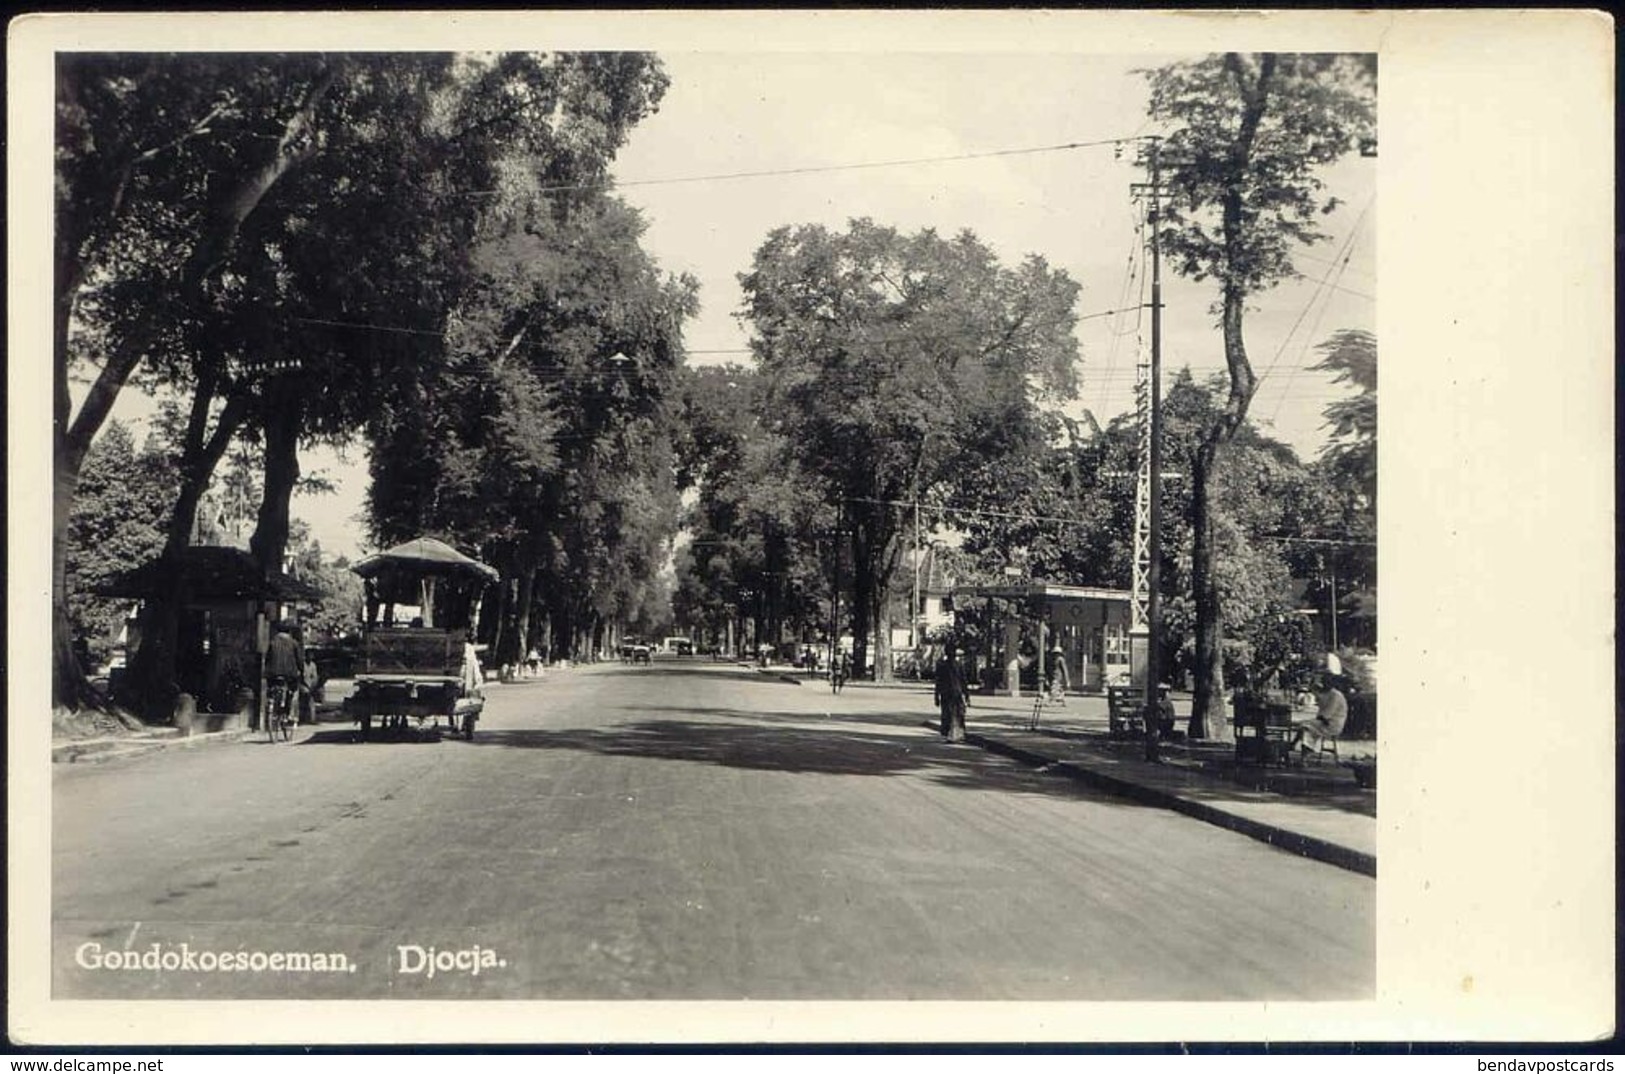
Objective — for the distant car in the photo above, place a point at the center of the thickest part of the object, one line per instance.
(635, 652)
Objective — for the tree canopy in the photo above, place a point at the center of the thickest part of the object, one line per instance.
(893, 363)
(273, 235)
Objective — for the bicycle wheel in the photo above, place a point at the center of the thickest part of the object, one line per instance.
(276, 722)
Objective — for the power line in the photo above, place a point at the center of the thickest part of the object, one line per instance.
(1314, 540)
(944, 509)
(1347, 252)
(1136, 249)
(817, 169)
(1346, 290)
(1343, 252)
(900, 338)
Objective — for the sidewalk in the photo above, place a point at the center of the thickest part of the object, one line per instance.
(1314, 810)
(96, 750)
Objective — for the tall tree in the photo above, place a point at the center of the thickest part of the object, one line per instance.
(894, 361)
(120, 510)
(550, 421)
(159, 161)
(1249, 132)
(758, 521)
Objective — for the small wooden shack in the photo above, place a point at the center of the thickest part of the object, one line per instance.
(224, 593)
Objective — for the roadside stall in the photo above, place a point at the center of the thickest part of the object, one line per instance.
(225, 599)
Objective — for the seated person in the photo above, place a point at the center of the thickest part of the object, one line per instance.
(1331, 713)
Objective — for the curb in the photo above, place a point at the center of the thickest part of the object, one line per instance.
(1306, 846)
(791, 679)
(82, 753)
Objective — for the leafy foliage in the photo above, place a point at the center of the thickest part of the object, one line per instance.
(544, 438)
(118, 523)
(1351, 452)
(1250, 131)
(896, 364)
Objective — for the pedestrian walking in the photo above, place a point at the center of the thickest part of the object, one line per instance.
(951, 695)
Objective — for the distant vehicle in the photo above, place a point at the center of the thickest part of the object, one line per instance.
(633, 651)
(680, 646)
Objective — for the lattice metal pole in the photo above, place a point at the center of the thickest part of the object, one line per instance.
(1141, 607)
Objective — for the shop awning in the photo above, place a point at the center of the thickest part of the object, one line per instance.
(206, 572)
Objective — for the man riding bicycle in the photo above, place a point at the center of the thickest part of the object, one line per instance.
(284, 670)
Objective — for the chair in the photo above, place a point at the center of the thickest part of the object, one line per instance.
(1324, 741)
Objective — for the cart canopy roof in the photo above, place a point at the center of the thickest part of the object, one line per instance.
(426, 556)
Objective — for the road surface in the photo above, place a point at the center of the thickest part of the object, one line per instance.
(688, 830)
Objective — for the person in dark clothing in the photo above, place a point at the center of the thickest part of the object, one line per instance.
(951, 695)
(285, 662)
(284, 659)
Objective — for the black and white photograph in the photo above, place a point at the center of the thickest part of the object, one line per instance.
(748, 518)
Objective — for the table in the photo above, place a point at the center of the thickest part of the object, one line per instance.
(1263, 730)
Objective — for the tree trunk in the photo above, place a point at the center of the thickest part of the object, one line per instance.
(70, 688)
(499, 631)
(862, 603)
(269, 544)
(882, 608)
(1207, 708)
(527, 595)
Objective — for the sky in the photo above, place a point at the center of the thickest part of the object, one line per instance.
(732, 112)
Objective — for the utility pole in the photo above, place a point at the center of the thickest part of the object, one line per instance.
(1153, 596)
(1333, 568)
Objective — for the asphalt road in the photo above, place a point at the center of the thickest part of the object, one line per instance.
(683, 831)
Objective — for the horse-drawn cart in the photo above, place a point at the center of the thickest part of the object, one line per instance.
(417, 659)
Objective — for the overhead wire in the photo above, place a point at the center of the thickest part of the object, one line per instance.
(1136, 252)
(815, 169)
(1021, 516)
(1343, 250)
(1308, 340)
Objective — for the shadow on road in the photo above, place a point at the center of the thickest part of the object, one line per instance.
(663, 668)
(801, 750)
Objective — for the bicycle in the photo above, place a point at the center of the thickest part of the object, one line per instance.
(279, 710)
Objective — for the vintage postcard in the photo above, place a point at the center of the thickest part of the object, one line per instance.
(821, 526)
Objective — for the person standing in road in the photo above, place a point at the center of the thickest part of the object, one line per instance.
(951, 694)
(1055, 678)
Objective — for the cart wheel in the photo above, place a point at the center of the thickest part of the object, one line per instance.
(366, 726)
